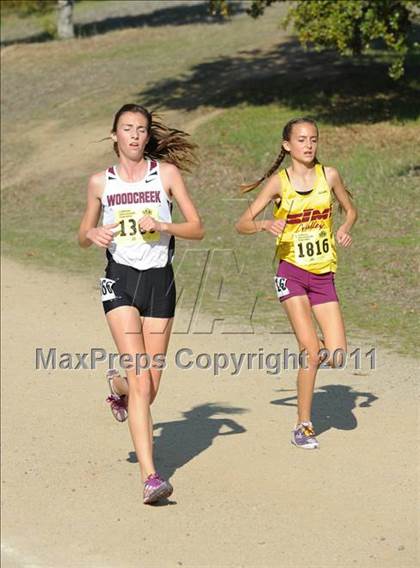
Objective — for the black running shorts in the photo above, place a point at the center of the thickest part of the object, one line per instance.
(151, 291)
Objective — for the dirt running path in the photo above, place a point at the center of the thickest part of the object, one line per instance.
(81, 147)
(244, 497)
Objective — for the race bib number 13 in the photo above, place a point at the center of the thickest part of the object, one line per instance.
(129, 231)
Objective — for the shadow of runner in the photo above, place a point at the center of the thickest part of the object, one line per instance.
(333, 406)
(182, 440)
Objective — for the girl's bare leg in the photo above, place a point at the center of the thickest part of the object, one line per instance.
(298, 310)
(156, 334)
(120, 385)
(126, 329)
(330, 320)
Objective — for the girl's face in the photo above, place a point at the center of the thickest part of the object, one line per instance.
(303, 142)
(131, 135)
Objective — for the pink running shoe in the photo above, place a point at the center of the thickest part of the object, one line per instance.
(156, 488)
(118, 403)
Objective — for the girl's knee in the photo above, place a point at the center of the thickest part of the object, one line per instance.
(313, 359)
(310, 358)
(335, 356)
(338, 358)
(155, 377)
(140, 387)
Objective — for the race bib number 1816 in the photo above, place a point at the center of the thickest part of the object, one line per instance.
(311, 247)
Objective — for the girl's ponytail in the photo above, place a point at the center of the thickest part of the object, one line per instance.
(170, 145)
(287, 130)
(166, 144)
(249, 187)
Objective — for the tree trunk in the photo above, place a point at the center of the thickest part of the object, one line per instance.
(65, 28)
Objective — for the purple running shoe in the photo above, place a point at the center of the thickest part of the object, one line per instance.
(303, 436)
(118, 403)
(156, 488)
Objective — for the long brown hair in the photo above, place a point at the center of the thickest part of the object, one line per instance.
(165, 143)
(287, 131)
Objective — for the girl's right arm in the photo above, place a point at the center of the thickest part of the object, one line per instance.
(247, 224)
(89, 232)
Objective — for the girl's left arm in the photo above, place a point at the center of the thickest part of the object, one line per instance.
(192, 228)
(174, 185)
(336, 183)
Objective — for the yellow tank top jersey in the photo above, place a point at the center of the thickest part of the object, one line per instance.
(308, 239)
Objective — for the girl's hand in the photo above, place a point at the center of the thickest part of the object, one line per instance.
(102, 236)
(149, 225)
(343, 237)
(275, 227)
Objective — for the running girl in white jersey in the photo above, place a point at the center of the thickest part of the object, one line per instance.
(138, 290)
(303, 195)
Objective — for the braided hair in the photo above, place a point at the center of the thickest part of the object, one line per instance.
(287, 131)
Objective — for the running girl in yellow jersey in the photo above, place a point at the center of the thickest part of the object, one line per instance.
(303, 195)
(135, 198)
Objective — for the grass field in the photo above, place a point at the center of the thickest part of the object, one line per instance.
(58, 101)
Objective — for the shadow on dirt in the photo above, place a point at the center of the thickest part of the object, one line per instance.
(333, 406)
(180, 441)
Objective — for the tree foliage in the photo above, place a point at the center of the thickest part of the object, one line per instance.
(348, 26)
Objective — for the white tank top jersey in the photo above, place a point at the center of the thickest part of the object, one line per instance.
(126, 203)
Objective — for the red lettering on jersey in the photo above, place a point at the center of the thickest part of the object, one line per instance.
(324, 215)
(308, 215)
(294, 218)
